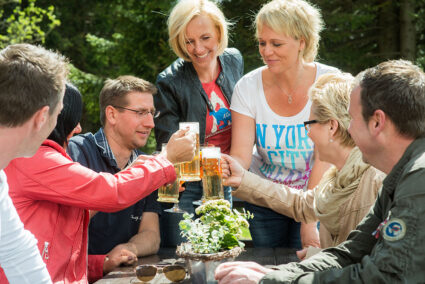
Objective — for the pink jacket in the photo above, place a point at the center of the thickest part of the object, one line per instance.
(52, 195)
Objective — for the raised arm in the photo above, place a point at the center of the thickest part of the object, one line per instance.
(259, 191)
(243, 138)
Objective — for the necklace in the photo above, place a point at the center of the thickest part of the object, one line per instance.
(288, 95)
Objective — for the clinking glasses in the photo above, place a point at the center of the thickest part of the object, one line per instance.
(174, 273)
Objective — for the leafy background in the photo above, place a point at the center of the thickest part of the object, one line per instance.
(105, 39)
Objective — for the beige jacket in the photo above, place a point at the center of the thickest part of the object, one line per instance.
(299, 205)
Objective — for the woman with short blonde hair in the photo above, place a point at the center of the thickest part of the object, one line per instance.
(198, 87)
(180, 17)
(297, 19)
(269, 105)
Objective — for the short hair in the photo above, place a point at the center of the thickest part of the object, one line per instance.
(115, 90)
(182, 13)
(397, 87)
(330, 96)
(295, 18)
(70, 115)
(31, 77)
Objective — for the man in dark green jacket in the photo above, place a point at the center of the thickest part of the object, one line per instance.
(388, 125)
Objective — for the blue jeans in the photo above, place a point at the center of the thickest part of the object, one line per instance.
(270, 229)
(169, 222)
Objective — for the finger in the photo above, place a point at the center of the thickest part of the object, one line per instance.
(181, 188)
(181, 132)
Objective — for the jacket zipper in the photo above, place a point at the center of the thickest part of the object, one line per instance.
(45, 253)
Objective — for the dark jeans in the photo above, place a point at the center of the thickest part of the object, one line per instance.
(270, 229)
(169, 222)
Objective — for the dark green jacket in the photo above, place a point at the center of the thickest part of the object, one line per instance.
(395, 254)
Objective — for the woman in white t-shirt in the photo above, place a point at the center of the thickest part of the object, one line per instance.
(269, 106)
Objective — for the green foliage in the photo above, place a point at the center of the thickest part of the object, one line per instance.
(28, 24)
(89, 86)
(217, 229)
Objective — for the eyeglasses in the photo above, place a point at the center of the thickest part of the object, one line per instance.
(307, 124)
(174, 273)
(141, 113)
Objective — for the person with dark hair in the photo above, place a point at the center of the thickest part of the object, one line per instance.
(68, 122)
(32, 83)
(387, 109)
(53, 194)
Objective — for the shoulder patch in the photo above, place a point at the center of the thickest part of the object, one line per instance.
(394, 230)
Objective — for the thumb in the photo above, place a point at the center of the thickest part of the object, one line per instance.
(128, 259)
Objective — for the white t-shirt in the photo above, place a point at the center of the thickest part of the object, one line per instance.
(283, 152)
(19, 255)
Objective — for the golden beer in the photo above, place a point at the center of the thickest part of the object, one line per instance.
(190, 171)
(170, 192)
(211, 173)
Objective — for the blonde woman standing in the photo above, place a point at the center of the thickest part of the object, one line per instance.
(198, 86)
(268, 108)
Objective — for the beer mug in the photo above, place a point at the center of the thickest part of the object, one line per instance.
(211, 173)
(190, 171)
(170, 192)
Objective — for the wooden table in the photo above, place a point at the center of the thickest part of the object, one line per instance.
(263, 256)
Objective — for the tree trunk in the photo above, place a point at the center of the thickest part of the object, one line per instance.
(388, 25)
(407, 30)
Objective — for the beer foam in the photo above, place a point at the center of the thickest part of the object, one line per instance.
(193, 126)
(211, 152)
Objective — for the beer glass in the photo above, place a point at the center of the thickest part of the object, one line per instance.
(170, 192)
(211, 173)
(190, 171)
(202, 200)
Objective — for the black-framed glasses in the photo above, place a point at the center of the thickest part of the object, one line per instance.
(141, 113)
(174, 273)
(307, 124)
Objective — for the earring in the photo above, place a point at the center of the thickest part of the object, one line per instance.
(331, 140)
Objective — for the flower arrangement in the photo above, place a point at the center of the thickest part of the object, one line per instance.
(217, 229)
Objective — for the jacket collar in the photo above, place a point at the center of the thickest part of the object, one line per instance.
(106, 151)
(393, 178)
(55, 146)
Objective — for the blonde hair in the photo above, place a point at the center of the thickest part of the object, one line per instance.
(183, 12)
(330, 96)
(295, 18)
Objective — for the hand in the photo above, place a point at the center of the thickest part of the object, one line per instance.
(309, 235)
(301, 254)
(181, 147)
(117, 256)
(240, 272)
(232, 171)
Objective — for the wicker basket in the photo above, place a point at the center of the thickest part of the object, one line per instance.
(202, 265)
(183, 251)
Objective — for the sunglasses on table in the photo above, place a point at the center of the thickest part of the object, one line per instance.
(174, 273)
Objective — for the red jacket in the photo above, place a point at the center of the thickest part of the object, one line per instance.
(52, 195)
